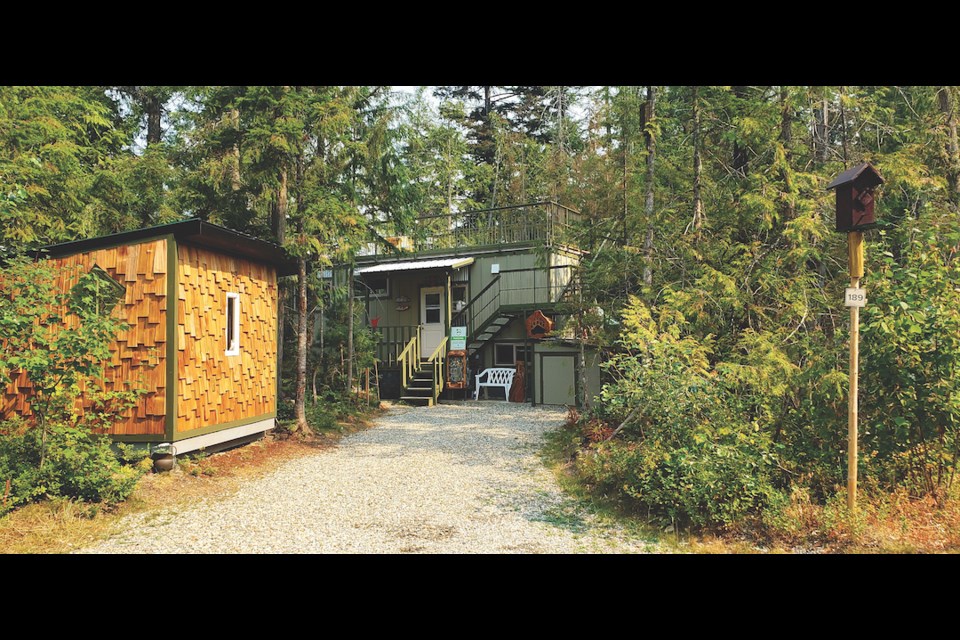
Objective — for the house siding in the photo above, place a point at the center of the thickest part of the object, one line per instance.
(214, 388)
(139, 354)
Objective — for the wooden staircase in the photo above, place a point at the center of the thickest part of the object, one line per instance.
(420, 390)
(422, 378)
(491, 329)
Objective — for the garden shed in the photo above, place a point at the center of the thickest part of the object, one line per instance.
(201, 302)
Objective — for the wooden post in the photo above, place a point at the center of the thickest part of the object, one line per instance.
(855, 255)
(367, 385)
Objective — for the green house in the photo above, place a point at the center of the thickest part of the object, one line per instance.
(464, 286)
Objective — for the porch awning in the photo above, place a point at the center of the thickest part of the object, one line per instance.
(411, 265)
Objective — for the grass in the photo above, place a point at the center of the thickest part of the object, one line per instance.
(557, 454)
(893, 523)
(63, 526)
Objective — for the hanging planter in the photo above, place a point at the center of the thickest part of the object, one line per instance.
(375, 321)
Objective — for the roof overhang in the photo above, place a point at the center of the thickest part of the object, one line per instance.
(415, 265)
(192, 231)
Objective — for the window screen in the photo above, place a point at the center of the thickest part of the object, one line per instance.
(233, 324)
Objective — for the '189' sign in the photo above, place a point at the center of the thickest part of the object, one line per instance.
(855, 297)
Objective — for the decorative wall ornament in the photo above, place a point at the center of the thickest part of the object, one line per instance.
(538, 325)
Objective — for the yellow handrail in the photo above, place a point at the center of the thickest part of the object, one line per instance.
(409, 359)
(436, 359)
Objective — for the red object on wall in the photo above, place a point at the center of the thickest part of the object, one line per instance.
(538, 325)
(518, 390)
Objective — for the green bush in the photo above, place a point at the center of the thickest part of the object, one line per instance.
(910, 382)
(77, 464)
(60, 340)
(692, 451)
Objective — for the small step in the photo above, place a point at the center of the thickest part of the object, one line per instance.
(473, 346)
(499, 322)
(418, 391)
(418, 401)
(484, 336)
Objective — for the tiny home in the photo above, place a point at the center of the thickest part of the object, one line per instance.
(201, 304)
(460, 290)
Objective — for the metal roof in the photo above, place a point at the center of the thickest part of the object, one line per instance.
(852, 174)
(192, 231)
(411, 265)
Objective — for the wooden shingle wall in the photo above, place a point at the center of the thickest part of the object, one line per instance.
(214, 388)
(138, 355)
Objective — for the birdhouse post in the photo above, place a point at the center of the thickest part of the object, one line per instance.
(855, 212)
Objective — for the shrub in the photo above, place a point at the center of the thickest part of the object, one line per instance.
(910, 407)
(693, 451)
(60, 341)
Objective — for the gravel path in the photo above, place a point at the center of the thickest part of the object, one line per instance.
(458, 478)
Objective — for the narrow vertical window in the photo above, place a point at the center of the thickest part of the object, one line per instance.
(233, 324)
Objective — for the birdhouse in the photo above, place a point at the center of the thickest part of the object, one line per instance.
(855, 200)
(538, 325)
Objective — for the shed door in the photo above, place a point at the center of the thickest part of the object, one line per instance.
(433, 313)
(558, 379)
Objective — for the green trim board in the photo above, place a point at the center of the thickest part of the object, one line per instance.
(173, 353)
(139, 437)
(222, 426)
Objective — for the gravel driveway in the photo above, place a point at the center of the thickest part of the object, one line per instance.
(455, 478)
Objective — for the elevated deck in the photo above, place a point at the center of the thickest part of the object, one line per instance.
(540, 223)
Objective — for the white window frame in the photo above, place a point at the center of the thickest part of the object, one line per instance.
(232, 299)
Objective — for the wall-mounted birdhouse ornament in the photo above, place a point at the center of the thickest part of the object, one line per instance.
(538, 325)
(855, 199)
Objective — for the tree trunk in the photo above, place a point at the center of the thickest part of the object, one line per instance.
(697, 162)
(350, 297)
(449, 170)
(651, 160)
(278, 210)
(740, 157)
(948, 107)
(486, 103)
(561, 113)
(301, 394)
(235, 152)
(582, 337)
(625, 148)
(822, 130)
(843, 129)
(152, 106)
(278, 224)
(786, 139)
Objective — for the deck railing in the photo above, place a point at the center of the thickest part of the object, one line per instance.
(540, 222)
(393, 340)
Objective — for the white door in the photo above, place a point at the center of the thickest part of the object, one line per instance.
(433, 314)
